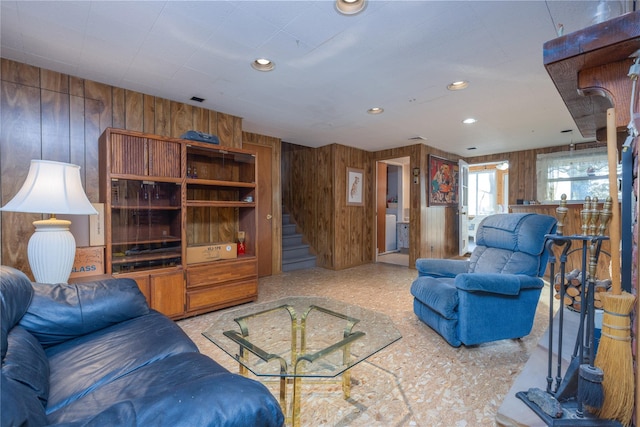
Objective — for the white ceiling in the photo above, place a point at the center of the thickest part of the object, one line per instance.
(330, 68)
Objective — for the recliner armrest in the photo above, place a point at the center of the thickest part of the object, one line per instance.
(441, 267)
(504, 284)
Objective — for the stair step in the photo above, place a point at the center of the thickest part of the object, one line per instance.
(290, 252)
(288, 229)
(295, 254)
(291, 240)
(299, 263)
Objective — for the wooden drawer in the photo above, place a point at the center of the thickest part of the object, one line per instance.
(221, 296)
(219, 272)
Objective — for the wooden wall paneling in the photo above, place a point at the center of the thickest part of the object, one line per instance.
(181, 119)
(56, 82)
(225, 129)
(417, 208)
(213, 122)
(163, 117)
(320, 213)
(19, 143)
(93, 128)
(54, 125)
(237, 132)
(133, 110)
(101, 93)
(148, 114)
(17, 72)
(276, 183)
(369, 238)
(200, 119)
(118, 112)
(64, 120)
(76, 136)
(76, 86)
(341, 217)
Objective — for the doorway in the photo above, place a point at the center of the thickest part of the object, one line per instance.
(392, 211)
(488, 193)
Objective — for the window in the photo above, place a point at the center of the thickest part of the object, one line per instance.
(482, 192)
(575, 173)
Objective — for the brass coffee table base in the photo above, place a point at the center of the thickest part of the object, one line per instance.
(301, 337)
(298, 355)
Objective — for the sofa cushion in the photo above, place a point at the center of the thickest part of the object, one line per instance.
(27, 363)
(15, 295)
(89, 362)
(64, 311)
(184, 390)
(439, 294)
(20, 405)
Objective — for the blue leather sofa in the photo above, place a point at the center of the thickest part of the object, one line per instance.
(494, 294)
(94, 354)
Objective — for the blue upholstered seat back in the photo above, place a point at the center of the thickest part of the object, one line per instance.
(512, 243)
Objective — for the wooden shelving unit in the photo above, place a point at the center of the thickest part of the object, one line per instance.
(164, 195)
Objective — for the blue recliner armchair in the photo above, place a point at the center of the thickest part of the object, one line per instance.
(494, 294)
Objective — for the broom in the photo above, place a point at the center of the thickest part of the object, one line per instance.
(614, 351)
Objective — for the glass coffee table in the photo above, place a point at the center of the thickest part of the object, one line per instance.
(301, 337)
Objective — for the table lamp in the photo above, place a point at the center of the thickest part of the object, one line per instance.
(54, 188)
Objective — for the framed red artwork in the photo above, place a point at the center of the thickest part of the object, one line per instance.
(443, 182)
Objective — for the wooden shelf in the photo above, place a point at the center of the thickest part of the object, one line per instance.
(146, 208)
(127, 259)
(219, 204)
(218, 183)
(179, 211)
(595, 61)
(116, 176)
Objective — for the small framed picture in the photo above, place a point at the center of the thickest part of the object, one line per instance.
(355, 195)
(443, 182)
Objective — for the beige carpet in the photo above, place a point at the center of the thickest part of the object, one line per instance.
(417, 381)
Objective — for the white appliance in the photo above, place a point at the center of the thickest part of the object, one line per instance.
(390, 233)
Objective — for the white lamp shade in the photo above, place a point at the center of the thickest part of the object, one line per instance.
(54, 188)
(51, 187)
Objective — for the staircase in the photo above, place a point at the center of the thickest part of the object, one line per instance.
(295, 254)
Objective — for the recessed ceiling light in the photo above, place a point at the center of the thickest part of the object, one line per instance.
(469, 121)
(350, 7)
(375, 110)
(263, 64)
(459, 85)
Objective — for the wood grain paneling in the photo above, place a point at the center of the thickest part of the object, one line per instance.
(163, 117)
(148, 114)
(54, 116)
(134, 110)
(181, 118)
(118, 114)
(55, 125)
(19, 143)
(22, 74)
(53, 81)
(76, 135)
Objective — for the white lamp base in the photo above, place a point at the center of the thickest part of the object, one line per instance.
(51, 250)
